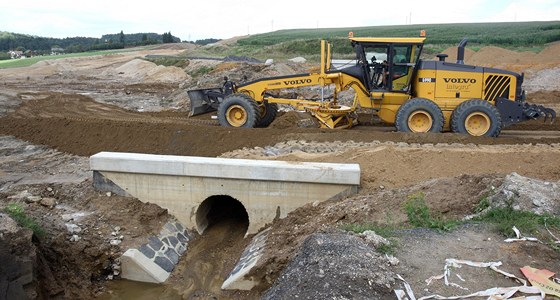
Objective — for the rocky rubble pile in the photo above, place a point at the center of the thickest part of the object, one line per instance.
(527, 194)
(335, 266)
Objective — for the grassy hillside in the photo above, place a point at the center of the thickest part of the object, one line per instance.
(518, 35)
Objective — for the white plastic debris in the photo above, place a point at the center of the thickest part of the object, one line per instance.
(408, 289)
(73, 228)
(496, 293)
(520, 238)
(392, 260)
(501, 293)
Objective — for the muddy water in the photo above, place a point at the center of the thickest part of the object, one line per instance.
(129, 290)
(200, 273)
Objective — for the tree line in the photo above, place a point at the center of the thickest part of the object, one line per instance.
(43, 45)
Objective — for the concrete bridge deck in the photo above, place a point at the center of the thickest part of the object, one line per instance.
(197, 189)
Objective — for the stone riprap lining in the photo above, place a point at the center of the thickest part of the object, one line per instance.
(249, 258)
(155, 260)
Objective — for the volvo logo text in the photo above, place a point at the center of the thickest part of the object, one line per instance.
(299, 81)
(459, 80)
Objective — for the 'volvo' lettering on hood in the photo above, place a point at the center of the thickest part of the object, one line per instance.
(459, 80)
(297, 81)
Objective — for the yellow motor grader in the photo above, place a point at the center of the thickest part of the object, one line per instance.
(388, 77)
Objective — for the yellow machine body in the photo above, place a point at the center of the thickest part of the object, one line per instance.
(390, 78)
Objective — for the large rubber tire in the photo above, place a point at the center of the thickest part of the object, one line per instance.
(268, 112)
(419, 115)
(239, 110)
(477, 118)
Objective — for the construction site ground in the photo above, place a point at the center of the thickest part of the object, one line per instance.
(55, 114)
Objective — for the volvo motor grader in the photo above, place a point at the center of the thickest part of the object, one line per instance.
(388, 77)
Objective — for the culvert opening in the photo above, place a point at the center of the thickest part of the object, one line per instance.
(221, 210)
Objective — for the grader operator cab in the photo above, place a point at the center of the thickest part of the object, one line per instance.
(389, 77)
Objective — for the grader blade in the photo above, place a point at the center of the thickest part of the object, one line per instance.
(205, 100)
(339, 117)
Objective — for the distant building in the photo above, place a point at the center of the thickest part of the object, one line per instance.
(56, 50)
(15, 54)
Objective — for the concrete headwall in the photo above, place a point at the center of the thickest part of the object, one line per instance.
(266, 189)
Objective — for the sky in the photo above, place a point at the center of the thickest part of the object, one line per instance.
(200, 19)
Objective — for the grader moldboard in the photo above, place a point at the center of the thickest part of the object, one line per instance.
(389, 77)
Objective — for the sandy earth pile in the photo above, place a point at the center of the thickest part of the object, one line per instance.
(139, 70)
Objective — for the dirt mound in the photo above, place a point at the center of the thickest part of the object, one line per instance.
(550, 54)
(74, 106)
(292, 119)
(491, 55)
(518, 61)
(139, 70)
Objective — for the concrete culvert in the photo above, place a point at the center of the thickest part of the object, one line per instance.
(221, 209)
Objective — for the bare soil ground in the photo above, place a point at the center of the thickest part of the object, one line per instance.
(66, 110)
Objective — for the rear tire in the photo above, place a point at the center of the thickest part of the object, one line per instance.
(419, 115)
(238, 110)
(268, 112)
(476, 118)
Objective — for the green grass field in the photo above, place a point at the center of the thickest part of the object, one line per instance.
(521, 36)
(519, 33)
(17, 63)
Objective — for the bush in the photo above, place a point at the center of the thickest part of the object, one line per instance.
(201, 71)
(17, 213)
(419, 214)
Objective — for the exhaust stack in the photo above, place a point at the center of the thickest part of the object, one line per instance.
(461, 51)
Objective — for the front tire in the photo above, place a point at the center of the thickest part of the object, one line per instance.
(238, 110)
(268, 112)
(419, 115)
(476, 118)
